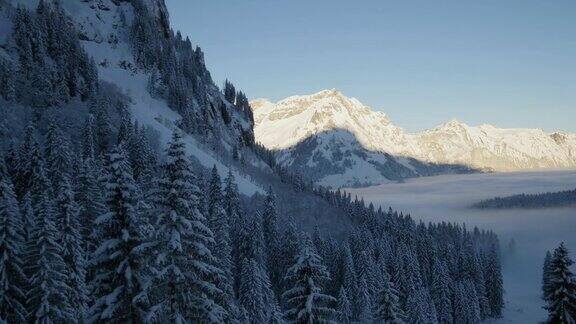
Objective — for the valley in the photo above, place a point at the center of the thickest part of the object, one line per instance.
(447, 199)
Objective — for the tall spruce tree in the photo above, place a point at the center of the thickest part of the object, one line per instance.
(13, 281)
(57, 155)
(251, 295)
(440, 292)
(562, 300)
(71, 242)
(387, 303)
(546, 273)
(183, 270)
(344, 308)
(218, 223)
(118, 262)
(494, 283)
(92, 202)
(48, 297)
(271, 241)
(306, 301)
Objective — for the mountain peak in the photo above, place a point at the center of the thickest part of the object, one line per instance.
(452, 124)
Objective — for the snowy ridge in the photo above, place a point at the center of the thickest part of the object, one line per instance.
(326, 115)
(103, 28)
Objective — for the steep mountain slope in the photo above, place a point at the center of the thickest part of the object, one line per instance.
(185, 97)
(340, 142)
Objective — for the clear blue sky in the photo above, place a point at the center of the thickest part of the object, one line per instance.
(511, 63)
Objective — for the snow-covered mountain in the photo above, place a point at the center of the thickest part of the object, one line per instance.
(341, 142)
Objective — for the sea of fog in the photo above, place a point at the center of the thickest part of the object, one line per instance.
(447, 198)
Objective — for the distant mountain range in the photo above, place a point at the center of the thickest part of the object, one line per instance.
(340, 142)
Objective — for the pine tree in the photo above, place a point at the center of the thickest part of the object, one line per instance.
(28, 220)
(271, 241)
(307, 303)
(562, 300)
(13, 281)
(117, 262)
(440, 291)
(494, 284)
(237, 224)
(56, 154)
(250, 295)
(72, 251)
(291, 246)
(229, 92)
(546, 272)
(88, 144)
(183, 272)
(460, 304)
(387, 304)
(349, 280)
(344, 308)
(48, 297)
(92, 204)
(218, 223)
(29, 178)
(364, 302)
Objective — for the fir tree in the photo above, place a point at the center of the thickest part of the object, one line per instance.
(72, 252)
(307, 303)
(562, 300)
(349, 280)
(494, 284)
(250, 295)
(92, 204)
(387, 304)
(271, 240)
(218, 223)
(344, 308)
(56, 154)
(546, 273)
(13, 281)
(183, 271)
(364, 302)
(48, 297)
(118, 260)
(440, 291)
(236, 222)
(88, 144)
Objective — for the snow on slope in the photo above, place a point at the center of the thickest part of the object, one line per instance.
(320, 119)
(99, 24)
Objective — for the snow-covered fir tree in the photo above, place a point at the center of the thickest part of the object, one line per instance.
(13, 281)
(494, 283)
(49, 293)
(183, 268)
(271, 241)
(118, 262)
(562, 299)
(344, 308)
(546, 272)
(219, 224)
(441, 293)
(387, 308)
(70, 240)
(306, 301)
(57, 155)
(251, 295)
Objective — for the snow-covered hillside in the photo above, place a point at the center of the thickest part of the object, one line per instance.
(104, 31)
(344, 142)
